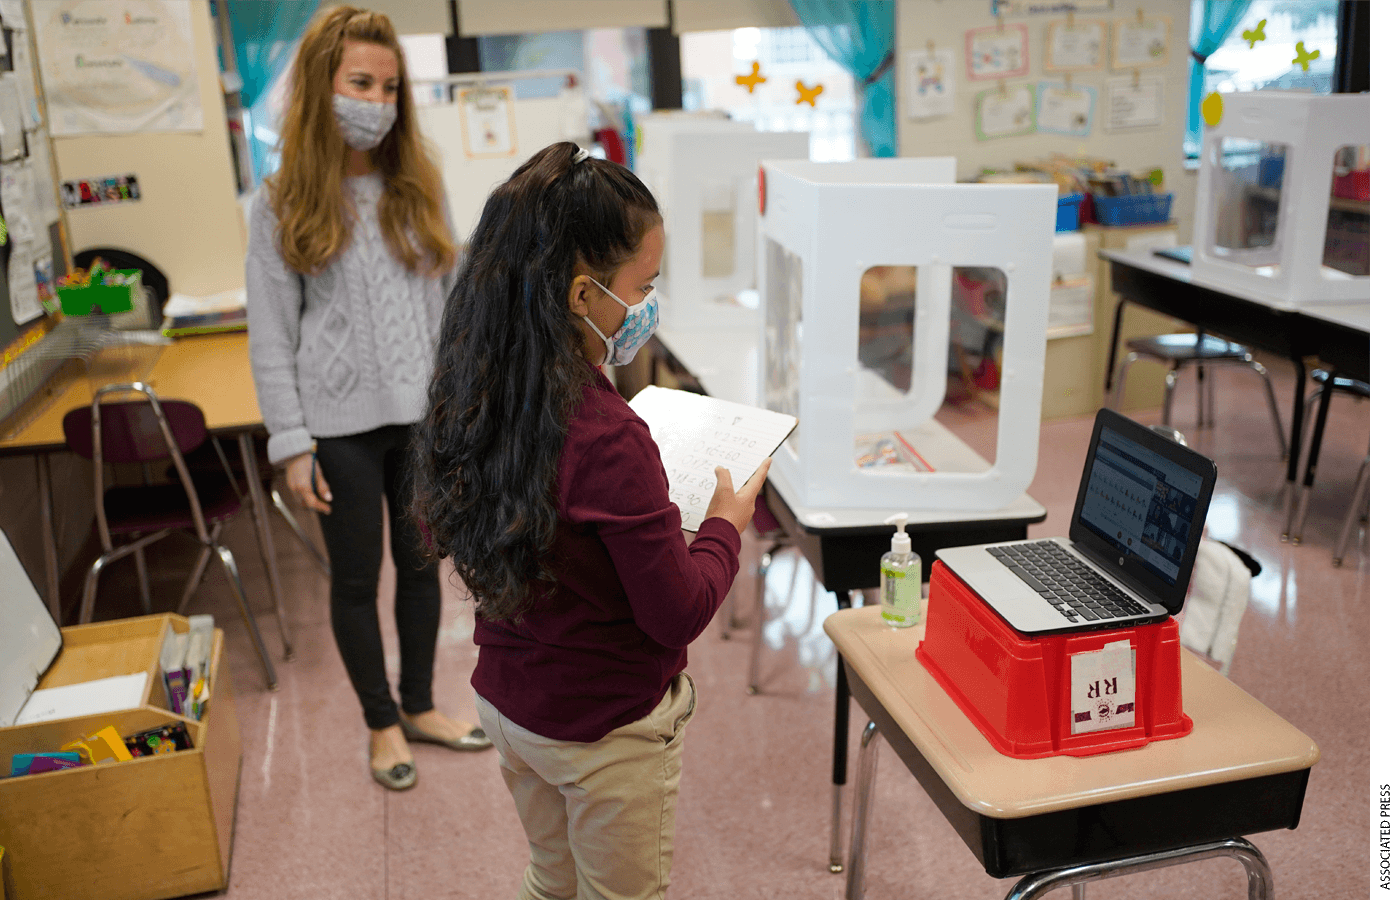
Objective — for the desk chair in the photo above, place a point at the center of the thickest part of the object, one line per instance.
(141, 432)
(1321, 399)
(1203, 351)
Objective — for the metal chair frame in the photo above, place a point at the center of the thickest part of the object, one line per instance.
(1205, 383)
(1295, 513)
(207, 535)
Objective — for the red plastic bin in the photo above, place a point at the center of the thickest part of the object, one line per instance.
(1016, 689)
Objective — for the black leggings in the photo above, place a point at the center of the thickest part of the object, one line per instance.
(360, 469)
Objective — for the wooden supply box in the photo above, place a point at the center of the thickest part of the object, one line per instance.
(145, 829)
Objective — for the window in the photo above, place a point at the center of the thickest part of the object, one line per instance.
(1269, 65)
(711, 59)
(614, 63)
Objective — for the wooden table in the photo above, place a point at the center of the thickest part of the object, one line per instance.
(211, 371)
(1067, 820)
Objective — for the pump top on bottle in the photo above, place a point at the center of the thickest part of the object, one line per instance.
(901, 577)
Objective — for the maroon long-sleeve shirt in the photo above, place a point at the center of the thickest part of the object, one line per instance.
(601, 651)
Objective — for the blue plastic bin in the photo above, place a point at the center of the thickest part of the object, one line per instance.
(1067, 213)
(1133, 209)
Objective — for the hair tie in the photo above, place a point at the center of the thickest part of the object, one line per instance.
(580, 156)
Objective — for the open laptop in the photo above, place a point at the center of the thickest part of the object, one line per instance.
(1132, 542)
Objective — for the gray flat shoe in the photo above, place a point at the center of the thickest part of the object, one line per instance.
(475, 739)
(401, 777)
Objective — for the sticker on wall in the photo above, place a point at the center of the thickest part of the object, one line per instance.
(751, 80)
(998, 51)
(1075, 47)
(1256, 35)
(808, 95)
(931, 88)
(86, 192)
(1004, 112)
(1065, 109)
(1304, 56)
(1212, 108)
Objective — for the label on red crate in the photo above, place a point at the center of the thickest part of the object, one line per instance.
(1103, 688)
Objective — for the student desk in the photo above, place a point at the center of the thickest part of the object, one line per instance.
(211, 371)
(844, 546)
(1339, 334)
(1064, 820)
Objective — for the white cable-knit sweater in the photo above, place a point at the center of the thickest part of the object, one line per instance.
(344, 351)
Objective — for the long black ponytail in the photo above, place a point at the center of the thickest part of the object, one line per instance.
(510, 368)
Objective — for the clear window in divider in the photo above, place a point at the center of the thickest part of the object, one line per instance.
(1347, 244)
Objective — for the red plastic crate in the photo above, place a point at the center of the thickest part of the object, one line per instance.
(1016, 689)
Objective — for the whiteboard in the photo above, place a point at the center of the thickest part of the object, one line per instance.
(539, 122)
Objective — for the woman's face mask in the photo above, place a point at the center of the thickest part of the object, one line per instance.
(363, 123)
(639, 325)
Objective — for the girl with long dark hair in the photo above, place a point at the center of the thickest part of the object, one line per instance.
(548, 494)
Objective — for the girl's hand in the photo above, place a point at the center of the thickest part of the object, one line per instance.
(736, 507)
(302, 472)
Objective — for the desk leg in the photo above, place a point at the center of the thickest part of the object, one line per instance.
(1261, 880)
(41, 472)
(1113, 344)
(838, 755)
(1295, 442)
(263, 525)
(1310, 469)
(860, 813)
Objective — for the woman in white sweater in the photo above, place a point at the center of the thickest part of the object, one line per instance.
(349, 254)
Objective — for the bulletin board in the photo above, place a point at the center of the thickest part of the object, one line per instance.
(32, 249)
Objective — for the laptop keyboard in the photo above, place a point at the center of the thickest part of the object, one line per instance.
(1067, 584)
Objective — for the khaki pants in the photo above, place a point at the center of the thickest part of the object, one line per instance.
(600, 817)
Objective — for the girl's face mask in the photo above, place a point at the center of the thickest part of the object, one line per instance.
(363, 123)
(639, 325)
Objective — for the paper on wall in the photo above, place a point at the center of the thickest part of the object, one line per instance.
(1132, 105)
(1072, 48)
(1141, 43)
(118, 68)
(11, 119)
(16, 191)
(1005, 112)
(931, 86)
(1065, 110)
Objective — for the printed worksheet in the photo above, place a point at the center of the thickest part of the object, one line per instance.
(695, 433)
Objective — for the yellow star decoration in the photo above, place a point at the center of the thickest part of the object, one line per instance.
(752, 80)
(808, 95)
(1256, 35)
(1304, 57)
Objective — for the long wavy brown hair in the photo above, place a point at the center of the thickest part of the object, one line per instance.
(314, 219)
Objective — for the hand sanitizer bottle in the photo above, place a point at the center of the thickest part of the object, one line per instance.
(901, 574)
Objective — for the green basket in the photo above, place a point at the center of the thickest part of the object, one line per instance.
(100, 299)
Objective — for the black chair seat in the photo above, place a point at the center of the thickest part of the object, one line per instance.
(142, 509)
(1185, 348)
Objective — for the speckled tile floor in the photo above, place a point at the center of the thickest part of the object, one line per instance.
(755, 799)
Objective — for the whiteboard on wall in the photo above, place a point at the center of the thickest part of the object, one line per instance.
(539, 122)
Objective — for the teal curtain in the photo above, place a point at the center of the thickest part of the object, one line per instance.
(265, 36)
(859, 36)
(1218, 19)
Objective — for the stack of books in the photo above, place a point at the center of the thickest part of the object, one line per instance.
(186, 315)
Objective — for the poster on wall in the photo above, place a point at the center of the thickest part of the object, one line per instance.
(488, 121)
(1005, 112)
(103, 190)
(1141, 43)
(22, 240)
(1133, 103)
(1074, 48)
(931, 90)
(1049, 7)
(1065, 109)
(998, 51)
(118, 68)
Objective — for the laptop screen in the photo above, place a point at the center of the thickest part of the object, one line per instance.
(1141, 503)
